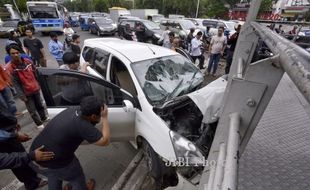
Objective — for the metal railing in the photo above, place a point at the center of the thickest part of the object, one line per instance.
(294, 60)
(249, 90)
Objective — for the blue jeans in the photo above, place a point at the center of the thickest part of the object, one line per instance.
(73, 173)
(7, 100)
(213, 62)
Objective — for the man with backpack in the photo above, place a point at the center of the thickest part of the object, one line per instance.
(26, 84)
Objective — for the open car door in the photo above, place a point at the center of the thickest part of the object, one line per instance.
(64, 88)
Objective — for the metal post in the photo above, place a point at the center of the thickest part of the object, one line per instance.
(240, 68)
(231, 165)
(219, 171)
(197, 10)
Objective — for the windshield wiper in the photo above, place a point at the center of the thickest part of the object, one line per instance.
(192, 81)
(173, 92)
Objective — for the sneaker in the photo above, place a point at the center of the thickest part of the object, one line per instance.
(40, 127)
(46, 119)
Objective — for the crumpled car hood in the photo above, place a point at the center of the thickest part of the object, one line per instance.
(209, 99)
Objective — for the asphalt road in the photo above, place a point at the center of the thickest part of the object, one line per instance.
(104, 164)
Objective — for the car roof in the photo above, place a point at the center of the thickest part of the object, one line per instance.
(133, 51)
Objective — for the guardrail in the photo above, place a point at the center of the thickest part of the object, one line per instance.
(249, 90)
(294, 60)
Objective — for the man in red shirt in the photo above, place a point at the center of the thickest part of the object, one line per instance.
(26, 84)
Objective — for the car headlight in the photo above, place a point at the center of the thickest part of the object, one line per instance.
(114, 25)
(186, 151)
(157, 36)
(101, 28)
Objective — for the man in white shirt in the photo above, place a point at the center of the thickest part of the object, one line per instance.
(164, 37)
(196, 52)
(217, 47)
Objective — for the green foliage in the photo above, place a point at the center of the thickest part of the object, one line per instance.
(266, 5)
(100, 5)
(307, 16)
(216, 9)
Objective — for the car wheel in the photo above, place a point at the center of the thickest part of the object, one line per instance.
(98, 33)
(162, 175)
(153, 164)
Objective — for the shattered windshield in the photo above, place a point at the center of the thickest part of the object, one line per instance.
(164, 78)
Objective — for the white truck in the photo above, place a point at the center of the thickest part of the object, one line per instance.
(116, 12)
(148, 14)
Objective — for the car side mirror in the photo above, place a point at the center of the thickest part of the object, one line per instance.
(127, 105)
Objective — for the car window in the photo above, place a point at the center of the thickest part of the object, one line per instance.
(69, 90)
(100, 62)
(132, 24)
(213, 24)
(87, 54)
(123, 23)
(164, 78)
(164, 23)
(120, 76)
(9, 24)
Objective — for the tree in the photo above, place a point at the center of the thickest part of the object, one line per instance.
(307, 16)
(266, 5)
(100, 5)
(216, 8)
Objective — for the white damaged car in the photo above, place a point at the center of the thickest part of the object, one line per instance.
(154, 95)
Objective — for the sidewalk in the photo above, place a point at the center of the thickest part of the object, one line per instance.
(277, 156)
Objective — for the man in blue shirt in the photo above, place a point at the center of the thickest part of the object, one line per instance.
(13, 155)
(18, 159)
(56, 48)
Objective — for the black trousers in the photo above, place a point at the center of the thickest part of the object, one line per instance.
(201, 59)
(35, 106)
(24, 173)
(229, 59)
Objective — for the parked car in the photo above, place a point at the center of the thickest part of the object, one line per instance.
(127, 17)
(180, 27)
(154, 95)
(7, 27)
(214, 24)
(198, 23)
(151, 32)
(101, 26)
(83, 22)
(304, 32)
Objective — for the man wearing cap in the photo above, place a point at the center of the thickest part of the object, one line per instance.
(64, 134)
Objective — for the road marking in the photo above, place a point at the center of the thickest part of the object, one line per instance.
(14, 185)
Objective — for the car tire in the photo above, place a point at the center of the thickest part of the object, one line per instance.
(153, 164)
